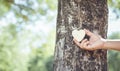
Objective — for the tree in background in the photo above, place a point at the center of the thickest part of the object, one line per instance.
(78, 14)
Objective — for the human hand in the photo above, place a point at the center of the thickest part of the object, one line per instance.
(95, 41)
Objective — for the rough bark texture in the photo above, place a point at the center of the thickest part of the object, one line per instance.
(78, 14)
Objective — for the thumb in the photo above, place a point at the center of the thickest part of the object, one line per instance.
(88, 32)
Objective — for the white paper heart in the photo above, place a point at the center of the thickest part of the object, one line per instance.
(78, 35)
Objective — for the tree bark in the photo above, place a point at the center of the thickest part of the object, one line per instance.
(79, 14)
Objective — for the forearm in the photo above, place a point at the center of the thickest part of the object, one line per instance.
(112, 44)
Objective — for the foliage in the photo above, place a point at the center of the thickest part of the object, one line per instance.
(115, 6)
(42, 58)
(114, 56)
(23, 46)
(114, 3)
(27, 10)
(19, 51)
(5, 6)
(10, 59)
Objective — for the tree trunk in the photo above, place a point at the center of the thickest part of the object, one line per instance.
(79, 14)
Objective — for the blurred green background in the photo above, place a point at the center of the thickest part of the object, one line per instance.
(27, 34)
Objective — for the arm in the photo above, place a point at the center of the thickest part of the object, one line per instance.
(96, 42)
(112, 44)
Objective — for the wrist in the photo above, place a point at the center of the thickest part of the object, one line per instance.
(104, 43)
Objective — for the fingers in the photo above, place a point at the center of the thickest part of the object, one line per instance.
(76, 42)
(85, 44)
(88, 32)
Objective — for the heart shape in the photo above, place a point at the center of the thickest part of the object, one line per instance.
(78, 35)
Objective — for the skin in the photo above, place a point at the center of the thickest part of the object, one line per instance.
(96, 42)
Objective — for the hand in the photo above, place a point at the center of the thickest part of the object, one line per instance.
(95, 42)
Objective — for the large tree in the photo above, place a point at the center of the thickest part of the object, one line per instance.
(78, 14)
